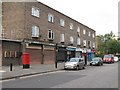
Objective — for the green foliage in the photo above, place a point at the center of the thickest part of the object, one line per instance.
(107, 44)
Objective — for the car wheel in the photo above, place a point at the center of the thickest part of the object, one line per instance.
(77, 68)
(64, 68)
(83, 67)
(90, 64)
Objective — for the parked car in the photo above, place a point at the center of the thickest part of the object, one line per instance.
(75, 63)
(116, 59)
(96, 61)
(109, 58)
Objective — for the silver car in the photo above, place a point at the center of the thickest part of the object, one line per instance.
(75, 63)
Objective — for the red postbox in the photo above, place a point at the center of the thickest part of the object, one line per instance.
(26, 60)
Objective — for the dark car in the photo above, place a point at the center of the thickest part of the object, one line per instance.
(109, 58)
(96, 61)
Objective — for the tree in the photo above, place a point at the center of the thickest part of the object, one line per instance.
(107, 44)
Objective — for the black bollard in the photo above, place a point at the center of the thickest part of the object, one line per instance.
(56, 64)
(11, 66)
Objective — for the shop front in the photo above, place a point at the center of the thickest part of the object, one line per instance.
(78, 53)
(40, 52)
(85, 55)
(89, 55)
(62, 53)
(70, 52)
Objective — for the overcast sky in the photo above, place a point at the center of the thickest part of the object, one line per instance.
(100, 15)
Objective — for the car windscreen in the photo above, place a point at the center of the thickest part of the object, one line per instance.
(95, 59)
(74, 60)
(107, 56)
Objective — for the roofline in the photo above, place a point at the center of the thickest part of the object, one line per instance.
(65, 15)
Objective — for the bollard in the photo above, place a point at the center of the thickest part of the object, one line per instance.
(11, 66)
(56, 64)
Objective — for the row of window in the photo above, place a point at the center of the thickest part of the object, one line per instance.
(36, 13)
(51, 35)
(11, 54)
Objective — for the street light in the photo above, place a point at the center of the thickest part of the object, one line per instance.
(105, 39)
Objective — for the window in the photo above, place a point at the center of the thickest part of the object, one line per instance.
(50, 35)
(7, 54)
(93, 44)
(89, 43)
(84, 31)
(71, 26)
(50, 18)
(78, 41)
(62, 38)
(62, 22)
(89, 34)
(78, 31)
(35, 11)
(35, 31)
(71, 40)
(93, 36)
(84, 42)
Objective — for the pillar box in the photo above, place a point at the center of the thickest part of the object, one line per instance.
(26, 60)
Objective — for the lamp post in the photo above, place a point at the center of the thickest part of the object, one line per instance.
(56, 50)
(105, 40)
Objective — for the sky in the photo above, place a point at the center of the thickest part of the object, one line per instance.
(100, 15)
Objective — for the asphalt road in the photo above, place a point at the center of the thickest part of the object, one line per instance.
(105, 76)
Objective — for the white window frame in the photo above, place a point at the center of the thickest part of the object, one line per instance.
(71, 26)
(78, 29)
(35, 31)
(78, 41)
(84, 42)
(93, 44)
(62, 22)
(93, 35)
(35, 11)
(84, 31)
(51, 34)
(71, 40)
(62, 38)
(89, 34)
(89, 44)
(50, 18)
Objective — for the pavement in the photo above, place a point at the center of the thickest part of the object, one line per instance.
(18, 71)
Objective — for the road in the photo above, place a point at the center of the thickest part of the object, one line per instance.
(105, 76)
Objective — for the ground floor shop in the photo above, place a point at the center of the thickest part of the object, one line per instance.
(39, 52)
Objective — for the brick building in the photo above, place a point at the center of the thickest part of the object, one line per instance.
(43, 32)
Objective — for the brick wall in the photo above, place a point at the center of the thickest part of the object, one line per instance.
(8, 53)
(17, 23)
